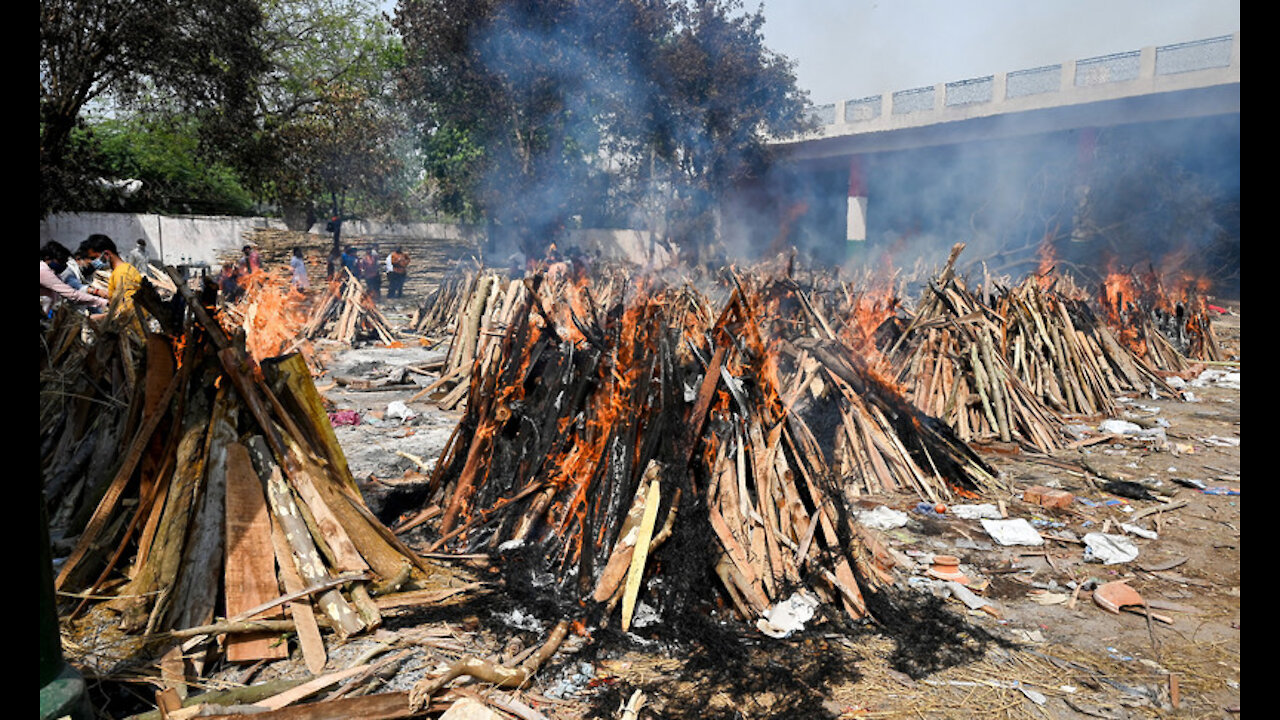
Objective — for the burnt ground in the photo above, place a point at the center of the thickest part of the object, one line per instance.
(1045, 650)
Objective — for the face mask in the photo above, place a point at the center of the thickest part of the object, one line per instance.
(99, 263)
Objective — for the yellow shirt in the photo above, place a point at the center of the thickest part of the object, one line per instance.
(121, 287)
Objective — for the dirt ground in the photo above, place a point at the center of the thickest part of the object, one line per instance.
(1043, 649)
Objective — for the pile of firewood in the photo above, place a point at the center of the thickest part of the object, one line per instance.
(597, 432)
(347, 314)
(229, 503)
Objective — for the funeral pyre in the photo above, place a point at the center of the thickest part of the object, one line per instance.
(221, 506)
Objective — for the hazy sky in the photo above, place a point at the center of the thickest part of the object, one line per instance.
(849, 49)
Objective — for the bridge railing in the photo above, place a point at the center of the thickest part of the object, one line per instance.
(1165, 60)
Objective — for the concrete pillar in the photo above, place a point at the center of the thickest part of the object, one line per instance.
(1082, 229)
(856, 215)
(1147, 63)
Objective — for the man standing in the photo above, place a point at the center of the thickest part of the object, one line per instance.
(122, 285)
(252, 260)
(398, 274)
(138, 256)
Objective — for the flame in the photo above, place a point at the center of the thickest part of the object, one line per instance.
(1047, 261)
(271, 312)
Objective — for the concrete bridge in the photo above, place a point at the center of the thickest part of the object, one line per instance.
(867, 152)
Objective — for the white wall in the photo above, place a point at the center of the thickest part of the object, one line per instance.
(193, 239)
(177, 239)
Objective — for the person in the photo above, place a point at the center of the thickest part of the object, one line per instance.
(138, 256)
(332, 263)
(123, 284)
(300, 280)
(252, 261)
(72, 275)
(370, 271)
(349, 260)
(399, 261)
(229, 282)
(54, 257)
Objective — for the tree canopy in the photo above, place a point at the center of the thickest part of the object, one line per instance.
(534, 114)
(189, 55)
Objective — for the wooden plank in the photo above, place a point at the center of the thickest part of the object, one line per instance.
(249, 575)
(292, 695)
(304, 616)
(302, 391)
(640, 554)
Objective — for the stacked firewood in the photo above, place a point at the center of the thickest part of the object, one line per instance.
(597, 432)
(474, 306)
(1073, 362)
(346, 313)
(229, 503)
(88, 377)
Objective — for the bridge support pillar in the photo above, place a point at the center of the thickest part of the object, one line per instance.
(856, 215)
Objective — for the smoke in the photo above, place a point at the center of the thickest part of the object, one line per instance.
(1162, 196)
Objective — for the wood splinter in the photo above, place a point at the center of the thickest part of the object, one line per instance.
(512, 677)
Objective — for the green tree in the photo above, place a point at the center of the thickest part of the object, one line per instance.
(193, 55)
(723, 94)
(531, 114)
(329, 138)
(164, 154)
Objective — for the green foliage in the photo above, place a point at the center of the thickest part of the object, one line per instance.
(532, 114)
(182, 55)
(164, 155)
(329, 138)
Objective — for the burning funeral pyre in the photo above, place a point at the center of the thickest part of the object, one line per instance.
(621, 432)
(222, 493)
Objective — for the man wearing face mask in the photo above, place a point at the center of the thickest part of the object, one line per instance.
(123, 284)
(53, 261)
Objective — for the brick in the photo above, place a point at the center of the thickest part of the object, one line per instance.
(1047, 497)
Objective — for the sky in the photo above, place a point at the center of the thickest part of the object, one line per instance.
(850, 49)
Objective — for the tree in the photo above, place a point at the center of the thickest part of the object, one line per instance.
(163, 154)
(723, 94)
(194, 55)
(531, 113)
(328, 137)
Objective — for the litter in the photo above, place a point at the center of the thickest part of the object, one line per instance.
(1109, 549)
(1016, 531)
(1119, 427)
(788, 616)
(1139, 531)
(397, 409)
(1220, 491)
(344, 417)
(976, 512)
(882, 518)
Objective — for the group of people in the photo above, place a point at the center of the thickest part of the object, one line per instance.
(370, 267)
(67, 277)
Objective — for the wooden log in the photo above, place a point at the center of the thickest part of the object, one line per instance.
(107, 505)
(304, 618)
(301, 395)
(165, 555)
(308, 563)
(249, 576)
